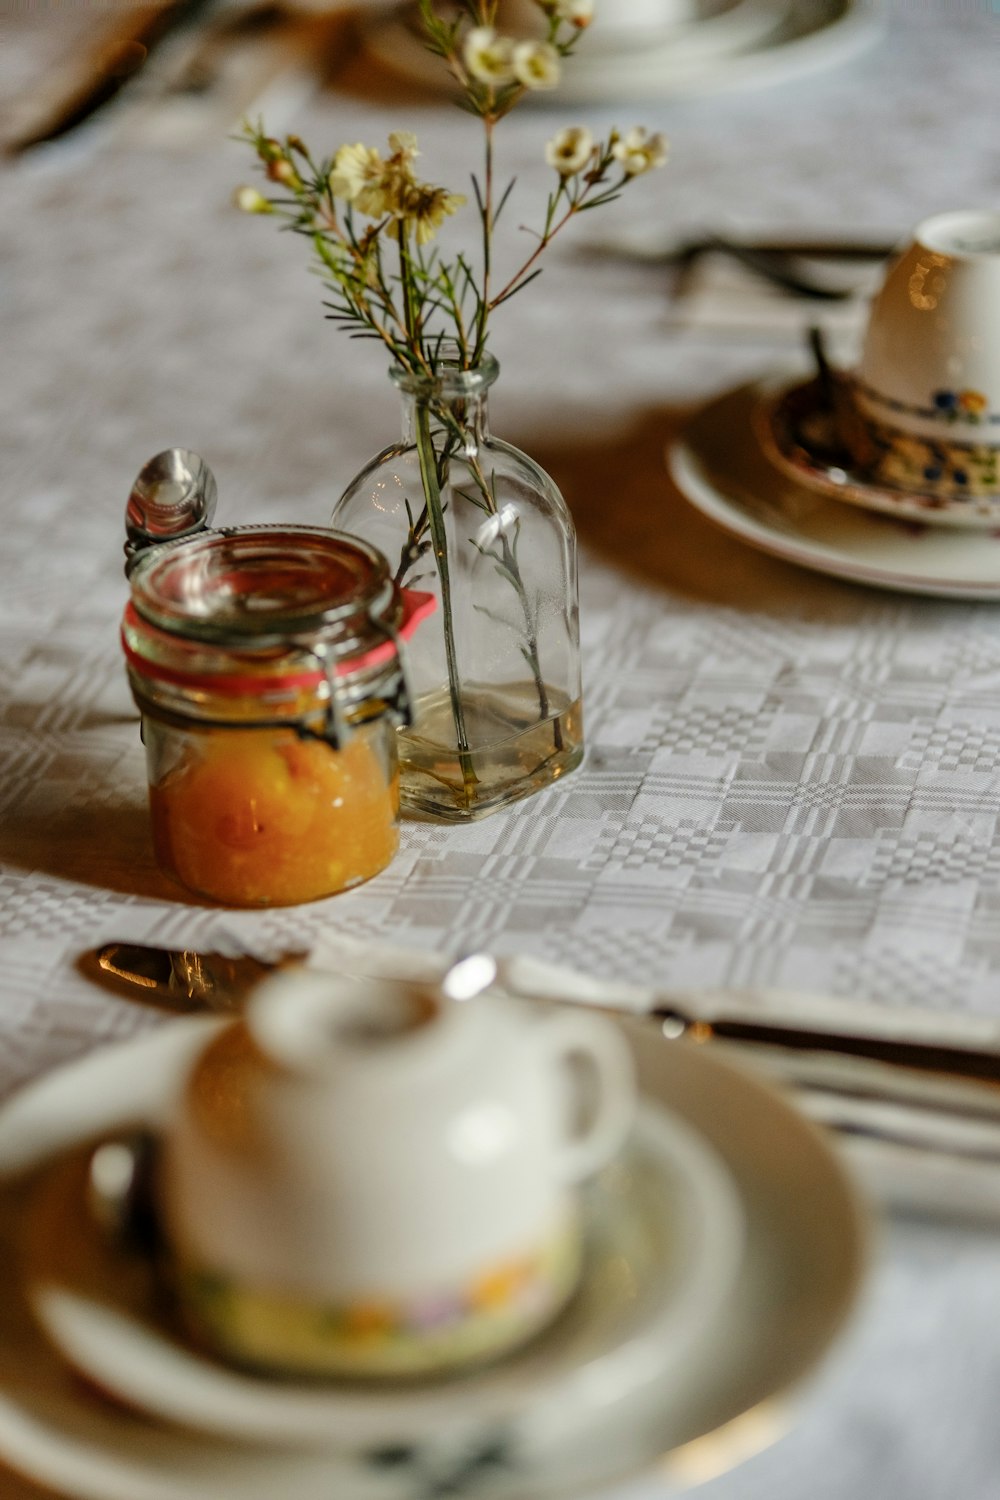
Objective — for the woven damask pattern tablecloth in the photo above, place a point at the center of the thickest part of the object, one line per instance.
(789, 780)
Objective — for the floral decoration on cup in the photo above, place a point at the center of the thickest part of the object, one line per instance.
(969, 405)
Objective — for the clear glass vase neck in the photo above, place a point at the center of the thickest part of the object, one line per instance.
(452, 399)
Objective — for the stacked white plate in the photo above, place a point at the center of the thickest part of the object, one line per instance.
(725, 1252)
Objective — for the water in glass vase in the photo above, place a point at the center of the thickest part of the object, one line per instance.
(515, 752)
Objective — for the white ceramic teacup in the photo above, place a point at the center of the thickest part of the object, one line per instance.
(927, 387)
(365, 1178)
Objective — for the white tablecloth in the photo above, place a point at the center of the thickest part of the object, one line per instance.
(789, 780)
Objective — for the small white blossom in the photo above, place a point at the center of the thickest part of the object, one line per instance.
(488, 57)
(358, 176)
(537, 65)
(403, 145)
(570, 150)
(638, 152)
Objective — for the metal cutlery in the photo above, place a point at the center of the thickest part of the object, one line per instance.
(662, 249)
(911, 1094)
(781, 267)
(179, 979)
(838, 1045)
(779, 261)
(174, 496)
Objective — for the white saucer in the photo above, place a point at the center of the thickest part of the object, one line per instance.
(711, 31)
(668, 1211)
(799, 435)
(751, 44)
(720, 465)
(805, 1250)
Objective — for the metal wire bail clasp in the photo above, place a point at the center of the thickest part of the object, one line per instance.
(400, 703)
(398, 698)
(337, 728)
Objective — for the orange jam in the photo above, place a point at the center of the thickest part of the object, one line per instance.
(260, 817)
(266, 665)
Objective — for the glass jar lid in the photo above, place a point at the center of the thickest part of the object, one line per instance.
(259, 586)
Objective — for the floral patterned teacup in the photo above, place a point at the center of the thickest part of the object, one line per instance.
(368, 1179)
(927, 388)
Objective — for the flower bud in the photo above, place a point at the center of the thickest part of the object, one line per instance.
(249, 201)
(282, 171)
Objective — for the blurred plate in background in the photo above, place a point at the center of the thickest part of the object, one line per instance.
(751, 44)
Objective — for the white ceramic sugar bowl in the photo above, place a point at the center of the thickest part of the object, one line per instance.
(367, 1179)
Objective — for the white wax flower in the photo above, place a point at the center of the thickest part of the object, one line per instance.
(403, 145)
(357, 176)
(537, 65)
(570, 150)
(638, 152)
(488, 57)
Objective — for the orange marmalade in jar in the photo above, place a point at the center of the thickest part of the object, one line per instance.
(266, 665)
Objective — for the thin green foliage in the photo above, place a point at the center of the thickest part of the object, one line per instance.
(371, 222)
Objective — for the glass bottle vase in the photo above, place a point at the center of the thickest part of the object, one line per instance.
(495, 671)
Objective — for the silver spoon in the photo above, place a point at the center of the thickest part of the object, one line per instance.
(174, 496)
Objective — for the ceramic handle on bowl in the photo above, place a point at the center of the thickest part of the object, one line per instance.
(608, 1097)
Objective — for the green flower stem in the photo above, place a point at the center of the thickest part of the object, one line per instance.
(455, 438)
(432, 495)
(431, 483)
(482, 315)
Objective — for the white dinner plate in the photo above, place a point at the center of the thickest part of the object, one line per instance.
(753, 44)
(799, 1278)
(720, 466)
(668, 1210)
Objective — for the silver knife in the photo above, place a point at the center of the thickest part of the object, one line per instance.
(912, 1094)
(657, 248)
(789, 263)
(179, 979)
(839, 1045)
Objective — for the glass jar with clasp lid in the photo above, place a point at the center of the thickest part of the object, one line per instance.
(267, 666)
